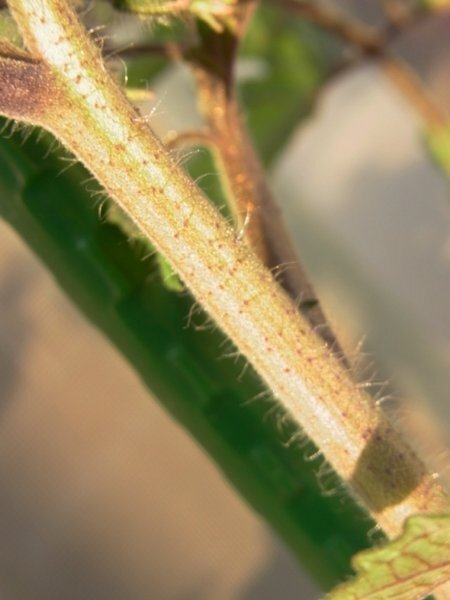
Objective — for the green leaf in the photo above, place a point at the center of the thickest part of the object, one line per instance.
(168, 276)
(438, 142)
(408, 568)
(283, 62)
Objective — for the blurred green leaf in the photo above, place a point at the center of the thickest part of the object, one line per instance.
(438, 142)
(283, 62)
(8, 28)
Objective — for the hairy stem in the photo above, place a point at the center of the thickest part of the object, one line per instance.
(94, 119)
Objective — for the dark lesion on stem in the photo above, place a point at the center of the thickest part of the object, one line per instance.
(25, 85)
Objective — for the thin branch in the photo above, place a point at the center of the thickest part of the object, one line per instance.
(257, 216)
(173, 51)
(367, 39)
(195, 137)
(364, 37)
(411, 87)
(400, 15)
(375, 44)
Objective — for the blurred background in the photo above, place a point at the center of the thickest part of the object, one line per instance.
(102, 495)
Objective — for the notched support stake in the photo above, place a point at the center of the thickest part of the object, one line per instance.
(26, 88)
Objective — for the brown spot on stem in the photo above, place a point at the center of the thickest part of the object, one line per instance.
(26, 90)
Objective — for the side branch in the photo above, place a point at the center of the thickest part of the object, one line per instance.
(256, 213)
(372, 43)
(366, 38)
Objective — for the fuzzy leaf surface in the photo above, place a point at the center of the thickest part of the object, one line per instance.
(408, 568)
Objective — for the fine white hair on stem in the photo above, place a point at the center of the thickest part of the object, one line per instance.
(99, 126)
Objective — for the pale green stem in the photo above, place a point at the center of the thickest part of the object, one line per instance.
(95, 121)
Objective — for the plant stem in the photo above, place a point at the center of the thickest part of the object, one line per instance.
(256, 213)
(95, 121)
